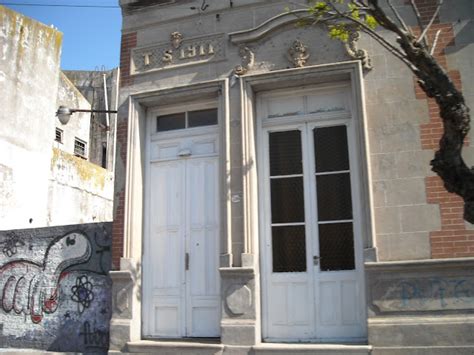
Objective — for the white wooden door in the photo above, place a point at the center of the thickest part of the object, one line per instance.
(312, 274)
(181, 280)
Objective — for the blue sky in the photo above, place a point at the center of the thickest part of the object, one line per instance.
(91, 36)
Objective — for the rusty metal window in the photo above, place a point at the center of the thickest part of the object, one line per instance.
(59, 135)
(80, 148)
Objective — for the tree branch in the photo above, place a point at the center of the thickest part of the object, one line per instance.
(366, 29)
(417, 13)
(435, 42)
(399, 18)
(425, 31)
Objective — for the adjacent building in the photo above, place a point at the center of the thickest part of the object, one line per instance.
(55, 292)
(49, 173)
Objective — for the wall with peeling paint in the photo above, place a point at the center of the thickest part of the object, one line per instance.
(79, 191)
(29, 71)
(69, 306)
(42, 183)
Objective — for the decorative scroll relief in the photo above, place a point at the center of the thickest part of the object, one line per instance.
(298, 54)
(178, 52)
(356, 53)
(248, 59)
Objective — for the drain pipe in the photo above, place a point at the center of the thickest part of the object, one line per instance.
(107, 120)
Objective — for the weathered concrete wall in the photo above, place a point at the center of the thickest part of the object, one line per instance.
(54, 288)
(41, 182)
(79, 191)
(29, 71)
(79, 123)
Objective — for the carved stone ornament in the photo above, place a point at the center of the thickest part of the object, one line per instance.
(356, 53)
(176, 39)
(247, 58)
(298, 54)
(238, 300)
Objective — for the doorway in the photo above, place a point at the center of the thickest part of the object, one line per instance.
(182, 225)
(310, 243)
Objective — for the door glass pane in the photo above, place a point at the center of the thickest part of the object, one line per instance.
(202, 118)
(170, 122)
(285, 153)
(330, 149)
(289, 249)
(336, 246)
(287, 200)
(334, 197)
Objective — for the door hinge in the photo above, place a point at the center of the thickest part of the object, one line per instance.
(186, 261)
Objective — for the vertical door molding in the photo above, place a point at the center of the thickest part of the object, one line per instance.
(225, 159)
(250, 180)
(133, 209)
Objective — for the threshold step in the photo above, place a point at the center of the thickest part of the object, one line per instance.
(319, 349)
(196, 347)
(172, 347)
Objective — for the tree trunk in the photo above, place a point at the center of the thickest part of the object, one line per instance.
(448, 163)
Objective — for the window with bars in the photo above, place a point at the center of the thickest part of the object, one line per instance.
(80, 148)
(59, 135)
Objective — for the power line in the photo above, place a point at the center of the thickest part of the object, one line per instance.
(57, 5)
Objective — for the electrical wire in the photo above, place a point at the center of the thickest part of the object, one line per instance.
(57, 5)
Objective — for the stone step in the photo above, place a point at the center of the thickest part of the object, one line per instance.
(316, 349)
(165, 347)
(161, 347)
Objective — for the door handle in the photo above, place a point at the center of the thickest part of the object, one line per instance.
(186, 261)
(316, 260)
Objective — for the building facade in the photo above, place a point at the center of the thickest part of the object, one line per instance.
(273, 189)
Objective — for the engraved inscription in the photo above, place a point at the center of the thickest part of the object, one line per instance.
(177, 52)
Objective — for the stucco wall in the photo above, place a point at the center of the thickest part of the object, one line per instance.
(68, 306)
(29, 71)
(79, 191)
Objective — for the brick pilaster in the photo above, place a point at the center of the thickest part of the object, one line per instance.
(453, 240)
(119, 211)
(129, 41)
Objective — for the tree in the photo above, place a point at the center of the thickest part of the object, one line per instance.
(343, 17)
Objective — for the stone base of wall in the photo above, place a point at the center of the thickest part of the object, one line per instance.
(421, 307)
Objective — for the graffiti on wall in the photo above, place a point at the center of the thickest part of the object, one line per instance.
(54, 288)
(425, 294)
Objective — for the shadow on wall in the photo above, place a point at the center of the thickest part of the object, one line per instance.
(55, 292)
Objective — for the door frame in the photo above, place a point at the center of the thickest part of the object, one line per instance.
(174, 136)
(349, 72)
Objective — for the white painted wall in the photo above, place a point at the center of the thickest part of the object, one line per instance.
(29, 69)
(41, 182)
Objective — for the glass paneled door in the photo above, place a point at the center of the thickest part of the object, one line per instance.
(312, 274)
